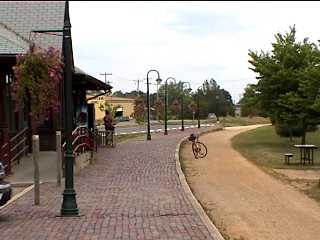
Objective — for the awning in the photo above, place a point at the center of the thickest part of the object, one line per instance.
(81, 79)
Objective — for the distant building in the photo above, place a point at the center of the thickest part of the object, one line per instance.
(237, 111)
(125, 109)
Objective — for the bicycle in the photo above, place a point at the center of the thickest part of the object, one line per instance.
(198, 148)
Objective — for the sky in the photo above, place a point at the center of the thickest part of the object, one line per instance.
(189, 41)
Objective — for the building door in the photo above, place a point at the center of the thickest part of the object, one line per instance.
(91, 116)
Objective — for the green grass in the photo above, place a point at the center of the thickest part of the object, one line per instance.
(242, 121)
(314, 190)
(265, 148)
(128, 137)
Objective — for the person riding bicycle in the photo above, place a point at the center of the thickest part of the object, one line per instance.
(108, 124)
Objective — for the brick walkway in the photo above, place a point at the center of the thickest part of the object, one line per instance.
(131, 192)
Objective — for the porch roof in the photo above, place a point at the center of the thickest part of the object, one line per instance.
(89, 82)
(17, 21)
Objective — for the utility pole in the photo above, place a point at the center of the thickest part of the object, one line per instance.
(138, 85)
(107, 82)
(105, 77)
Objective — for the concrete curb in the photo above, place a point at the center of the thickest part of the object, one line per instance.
(29, 186)
(16, 197)
(214, 232)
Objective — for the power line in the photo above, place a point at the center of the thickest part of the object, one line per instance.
(138, 84)
(105, 77)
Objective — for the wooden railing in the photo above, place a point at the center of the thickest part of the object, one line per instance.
(12, 151)
(101, 137)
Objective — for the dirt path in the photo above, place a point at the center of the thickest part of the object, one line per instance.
(243, 200)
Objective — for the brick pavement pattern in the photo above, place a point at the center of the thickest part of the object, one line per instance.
(130, 192)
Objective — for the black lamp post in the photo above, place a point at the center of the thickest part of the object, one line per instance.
(148, 102)
(182, 117)
(198, 106)
(69, 205)
(166, 105)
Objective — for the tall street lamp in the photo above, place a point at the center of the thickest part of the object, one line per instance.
(182, 120)
(166, 104)
(148, 101)
(69, 205)
(198, 105)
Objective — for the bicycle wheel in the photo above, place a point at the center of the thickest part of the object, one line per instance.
(199, 150)
(195, 149)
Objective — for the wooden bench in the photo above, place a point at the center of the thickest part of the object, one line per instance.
(287, 157)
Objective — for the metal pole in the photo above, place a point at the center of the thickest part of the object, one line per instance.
(69, 204)
(59, 157)
(148, 103)
(36, 178)
(148, 109)
(199, 106)
(198, 110)
(165, 109)
(182, 122)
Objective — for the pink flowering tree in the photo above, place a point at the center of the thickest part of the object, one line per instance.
(175, 108)
(38, 74)
(159, 106)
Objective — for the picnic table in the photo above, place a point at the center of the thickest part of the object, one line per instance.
(306, 152)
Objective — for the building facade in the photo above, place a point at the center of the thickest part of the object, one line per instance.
(20, 26)
(125, 106)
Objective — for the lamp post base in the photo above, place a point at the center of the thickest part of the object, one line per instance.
(149, 136)
(165, 132)
(69, 205)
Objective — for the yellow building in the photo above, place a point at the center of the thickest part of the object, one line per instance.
(125, 109)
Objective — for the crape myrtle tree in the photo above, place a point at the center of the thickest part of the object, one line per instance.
(175, 108)
(288, 84)
(174, 98)
(193, 108)
(38, 74)
(159, 109)
(139, 111)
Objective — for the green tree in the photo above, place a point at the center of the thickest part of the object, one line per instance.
(111, 108)
(289, 82)
(214, 99)
(131, 94)
(249, 102)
